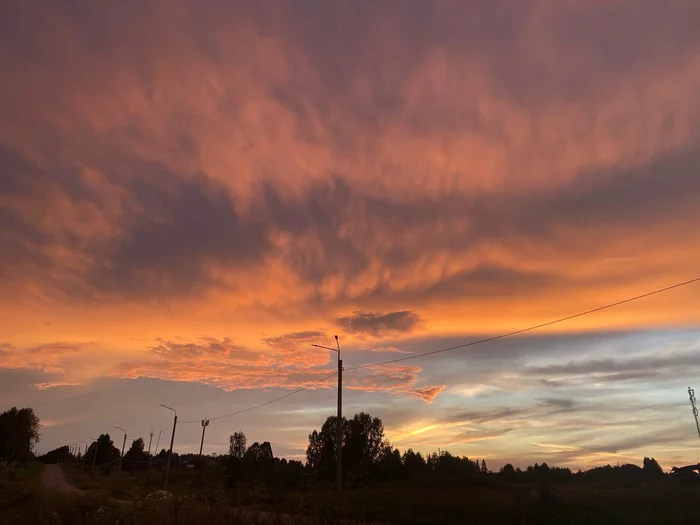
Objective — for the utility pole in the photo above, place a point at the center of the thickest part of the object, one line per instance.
(158, 442)
(691, 395)
(94, 457)
(150, 440)
(339, 421)
(170, 452)
(121, 458)
(339, 426)
(205, 424)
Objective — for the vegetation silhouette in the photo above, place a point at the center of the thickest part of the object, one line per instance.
(381, 483)
(19, 433)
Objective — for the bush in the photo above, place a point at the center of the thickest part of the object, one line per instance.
(106, 469)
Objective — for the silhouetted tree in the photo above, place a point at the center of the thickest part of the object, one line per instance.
(320, 453)
(389, 465)
(258, 453)
(363, 445)
(413, 463)
(56, 455)
(290, 473)
(237, 445)
(446, 468)
(652, 468)
(136, 457)
(19, 432)
(508, 472)
(106, 451)
(258, 463)
(137, 446)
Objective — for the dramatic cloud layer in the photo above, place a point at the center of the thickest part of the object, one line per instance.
(194, 193)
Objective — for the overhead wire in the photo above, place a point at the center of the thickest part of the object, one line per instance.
(448, 349)
(524, 330)
(289, 394)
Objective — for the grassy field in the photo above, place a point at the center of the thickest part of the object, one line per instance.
(201, 497)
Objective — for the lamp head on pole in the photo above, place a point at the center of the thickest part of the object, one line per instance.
(337, 350)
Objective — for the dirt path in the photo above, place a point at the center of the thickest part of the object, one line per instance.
(53, 479)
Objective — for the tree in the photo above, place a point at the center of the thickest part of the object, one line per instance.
(19, 432)
(390, 465)
(258, 453)
(320, 454)
(237, 445)
(56, 455)
(136, 457)
(484, 470)
(258, 463)
(651, 467)
(363, 444)
(106, 451)
(508, 472)
(137, 446)
(413, 463)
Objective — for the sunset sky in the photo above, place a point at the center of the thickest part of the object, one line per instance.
(192, 192)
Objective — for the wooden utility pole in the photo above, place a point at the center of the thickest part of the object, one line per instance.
(339, 424)
(205, 424)
(170, 452)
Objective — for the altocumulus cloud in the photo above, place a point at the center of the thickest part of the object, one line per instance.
(379, 324)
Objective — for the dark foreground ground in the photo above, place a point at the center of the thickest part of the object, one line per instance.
(26, 497)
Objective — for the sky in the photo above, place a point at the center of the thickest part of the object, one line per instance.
(192, 193)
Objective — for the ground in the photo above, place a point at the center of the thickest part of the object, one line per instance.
(54, 495)
(52, 478)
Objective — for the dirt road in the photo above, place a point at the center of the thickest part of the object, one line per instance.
(53, 479)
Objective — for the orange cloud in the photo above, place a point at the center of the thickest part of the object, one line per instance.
(428, 394)
(51, 358)
(384, 171)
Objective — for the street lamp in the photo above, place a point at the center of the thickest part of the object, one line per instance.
(121, 458)
(170, 452)
(339, 422)
(205, 424)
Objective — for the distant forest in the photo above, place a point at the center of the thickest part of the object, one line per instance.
(367, 457)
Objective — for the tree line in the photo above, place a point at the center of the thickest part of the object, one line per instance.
(367, 457)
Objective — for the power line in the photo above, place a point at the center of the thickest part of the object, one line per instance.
(524, 330)
(154, 433)
(266, 402)
(433, 352)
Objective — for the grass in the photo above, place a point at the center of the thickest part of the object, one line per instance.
(201, 497)
(19, 486)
